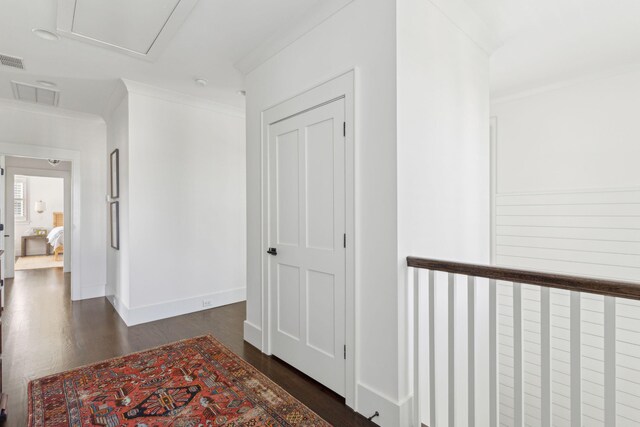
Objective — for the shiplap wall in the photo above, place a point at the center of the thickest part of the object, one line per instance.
(593, 233)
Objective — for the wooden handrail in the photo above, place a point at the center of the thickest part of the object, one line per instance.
(612, 288)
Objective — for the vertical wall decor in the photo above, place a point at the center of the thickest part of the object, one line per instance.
(115, 173)
(115, 225)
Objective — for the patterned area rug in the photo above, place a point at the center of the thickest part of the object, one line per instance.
(191, 383)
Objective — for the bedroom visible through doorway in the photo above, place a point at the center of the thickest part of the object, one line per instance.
(36, 206)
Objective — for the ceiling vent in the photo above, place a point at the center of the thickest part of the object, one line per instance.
(38, 95)
(11, 61)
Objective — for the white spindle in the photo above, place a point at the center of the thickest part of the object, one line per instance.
(471, 333)
(545, 355)
(518, 405)
(416, 347)
(576, 361)
(493, 354)
(610, 361)
(432, 349)
(451, 312)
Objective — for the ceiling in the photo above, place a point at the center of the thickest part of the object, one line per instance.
(538, 43)
(215, 36)
(544, 42)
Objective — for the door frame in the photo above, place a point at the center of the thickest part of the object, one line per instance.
(342, 86)
(73, 156)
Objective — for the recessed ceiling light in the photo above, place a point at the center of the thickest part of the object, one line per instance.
(45, 34)
(242, 92)
(46, 83)
(201, 82)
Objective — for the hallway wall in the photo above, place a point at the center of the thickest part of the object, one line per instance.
(43, 132)
(182, 204)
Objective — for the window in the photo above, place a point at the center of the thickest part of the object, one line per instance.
(20, 210)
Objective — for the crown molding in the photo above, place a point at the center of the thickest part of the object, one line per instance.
(180, 98)
(50, 111)
(565, 83)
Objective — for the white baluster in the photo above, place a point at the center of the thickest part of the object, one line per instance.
(432, 349)
(545, 355)
(471, 333)
(416, 347)
(610, 361)
(518, 396)
(451, 313)
(576, 361)
(493, 354)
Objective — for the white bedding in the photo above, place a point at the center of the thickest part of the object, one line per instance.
(56, 237)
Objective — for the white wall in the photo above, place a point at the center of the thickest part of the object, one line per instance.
(182, 205)
(581, 136)
(41, 132)
(443, 163)
(117, 289)
(362, 35)
(50, 191)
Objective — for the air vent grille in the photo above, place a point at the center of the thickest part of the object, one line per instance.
(11, 61)
(36, 94)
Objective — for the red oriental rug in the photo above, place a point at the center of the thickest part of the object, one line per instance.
(191, 383)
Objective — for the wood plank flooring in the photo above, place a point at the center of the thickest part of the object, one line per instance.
(45, 333)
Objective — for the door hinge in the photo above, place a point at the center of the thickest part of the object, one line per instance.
(2, 171)
(345, 352)
(344, 240)
(344, 129)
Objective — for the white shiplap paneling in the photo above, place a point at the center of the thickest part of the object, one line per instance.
(590, 233)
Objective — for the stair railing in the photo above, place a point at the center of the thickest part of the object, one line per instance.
(454, 288)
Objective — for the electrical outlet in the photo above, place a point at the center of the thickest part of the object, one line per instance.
(207, 303)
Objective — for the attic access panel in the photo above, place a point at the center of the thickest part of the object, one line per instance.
(139, 28)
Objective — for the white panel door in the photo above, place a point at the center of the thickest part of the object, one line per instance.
(306, 228)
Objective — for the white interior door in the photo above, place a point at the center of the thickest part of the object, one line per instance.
(306, 228)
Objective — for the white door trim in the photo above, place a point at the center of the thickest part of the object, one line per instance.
(338, 87)
(40, 152)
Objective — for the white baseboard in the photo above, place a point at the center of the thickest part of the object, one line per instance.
(88, 292)
(137, 315)
(392, 413)
(120, 307)
(253, 335)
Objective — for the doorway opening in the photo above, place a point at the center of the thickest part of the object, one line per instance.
(38, 216)
(37, 204)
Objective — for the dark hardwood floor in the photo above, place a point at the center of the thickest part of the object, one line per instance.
(45, 333)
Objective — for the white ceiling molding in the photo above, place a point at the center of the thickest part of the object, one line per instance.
(144, 36)
(11, 104)
(586, 78)
(180, 98)
(274, 44)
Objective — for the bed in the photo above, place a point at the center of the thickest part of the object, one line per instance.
(56, 235)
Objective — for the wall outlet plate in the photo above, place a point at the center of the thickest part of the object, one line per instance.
(207, 303)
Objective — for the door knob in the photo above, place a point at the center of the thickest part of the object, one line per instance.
(272, 251)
